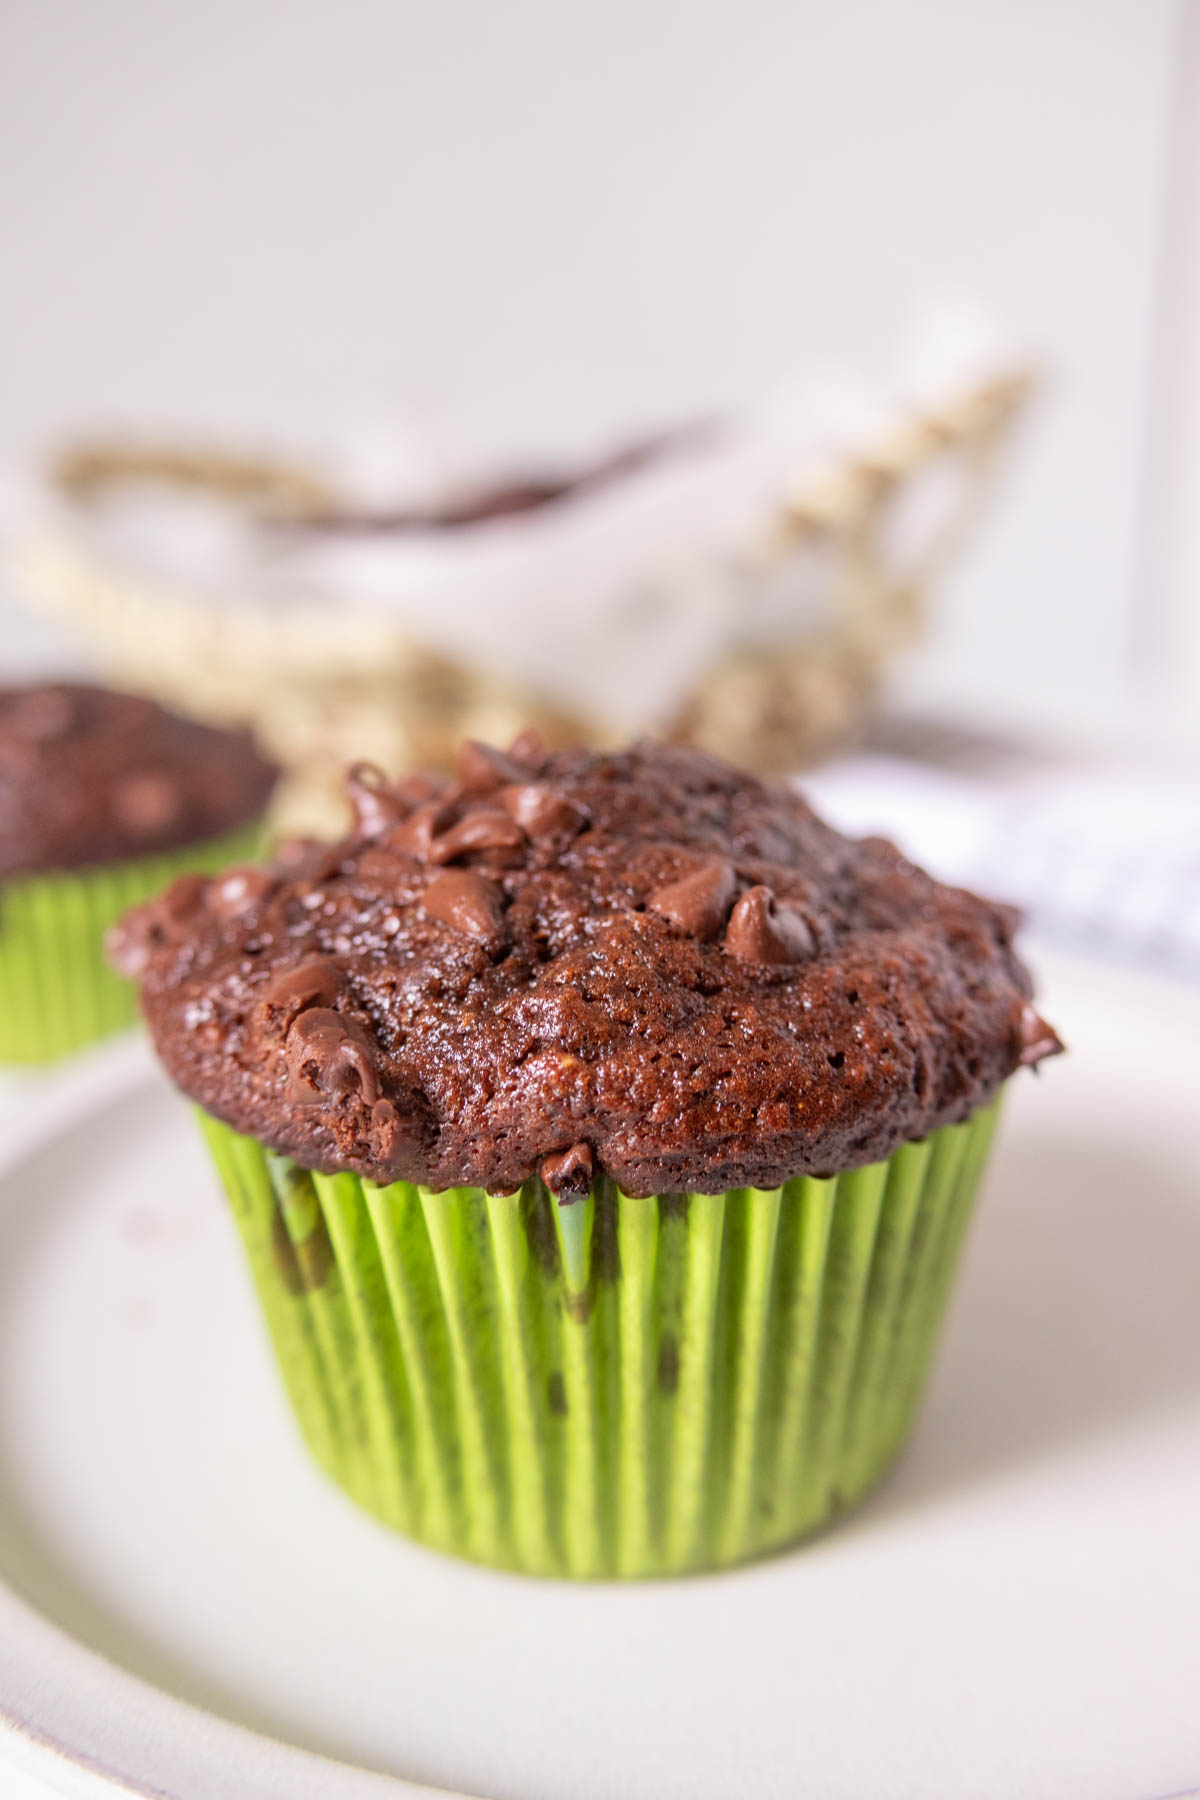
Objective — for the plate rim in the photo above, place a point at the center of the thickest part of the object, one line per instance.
(54, 1689)
(64, 1669)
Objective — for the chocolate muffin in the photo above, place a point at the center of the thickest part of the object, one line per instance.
(602, 1131)
(103, 797)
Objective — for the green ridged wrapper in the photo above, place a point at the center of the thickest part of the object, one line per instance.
(613, 1387)
(57, 993)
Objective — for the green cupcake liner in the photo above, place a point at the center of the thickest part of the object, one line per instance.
(613, 1387)
(57, 993)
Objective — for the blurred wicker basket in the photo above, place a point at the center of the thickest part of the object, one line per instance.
(326, 675)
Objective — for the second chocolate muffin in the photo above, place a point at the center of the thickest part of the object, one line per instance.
(103, 797)
(602, 1130)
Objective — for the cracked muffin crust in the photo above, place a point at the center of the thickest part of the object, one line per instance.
(647, 965)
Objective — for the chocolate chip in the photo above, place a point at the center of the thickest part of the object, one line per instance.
(378, 865)
(164, 920)
(385, 1131)
(147, 803)
(375, 806)
(1038, 1040)
(311, 1025)
(761, 931)
(541, 811)
(329, 1056)
(697, 903)
(358, 1056)
(486, 829)
(398, 1132)
(238, 890)
(414, 790)
(1008, 921)
(307, 859)
(568, 1173)
(482, 769)
(312, 983)
(417, 835)
(528, 748)
(300, 1091)
(180, 903)
(467, 902)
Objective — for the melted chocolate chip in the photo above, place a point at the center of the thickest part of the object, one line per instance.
(467, 902)
(382, 866)
(376, 806)
(239, 890)
(1038, 1040)
(528, 748)
(414, 790)
(329, 1056)
(313, 983)
(482, 769)
(761, 931)
(482, 830)
(697, 903)
(179, 904)
(416, 836)
(307, 859)
(541, 811)
(385, 1130)
(568, 1173)
(167, 919)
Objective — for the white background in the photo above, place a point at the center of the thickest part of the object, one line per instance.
(563, 218)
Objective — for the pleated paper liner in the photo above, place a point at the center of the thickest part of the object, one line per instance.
(57, 993)
(613, 1387)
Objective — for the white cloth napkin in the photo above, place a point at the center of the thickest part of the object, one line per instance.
(1101, 857)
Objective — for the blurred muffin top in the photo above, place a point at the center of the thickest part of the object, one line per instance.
(90, 776)
(645, 965)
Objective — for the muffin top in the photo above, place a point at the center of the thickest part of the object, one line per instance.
(91, 776)
(645, 965)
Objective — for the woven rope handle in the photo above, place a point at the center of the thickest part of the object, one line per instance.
(85, 472)
(357, 686)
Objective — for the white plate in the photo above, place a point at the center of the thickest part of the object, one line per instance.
(1017, 1612)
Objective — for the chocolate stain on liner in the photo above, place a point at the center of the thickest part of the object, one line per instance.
(668, 1364)
(556, 1394)
(537, 1203)
(537, 1222)
(304, 1265)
